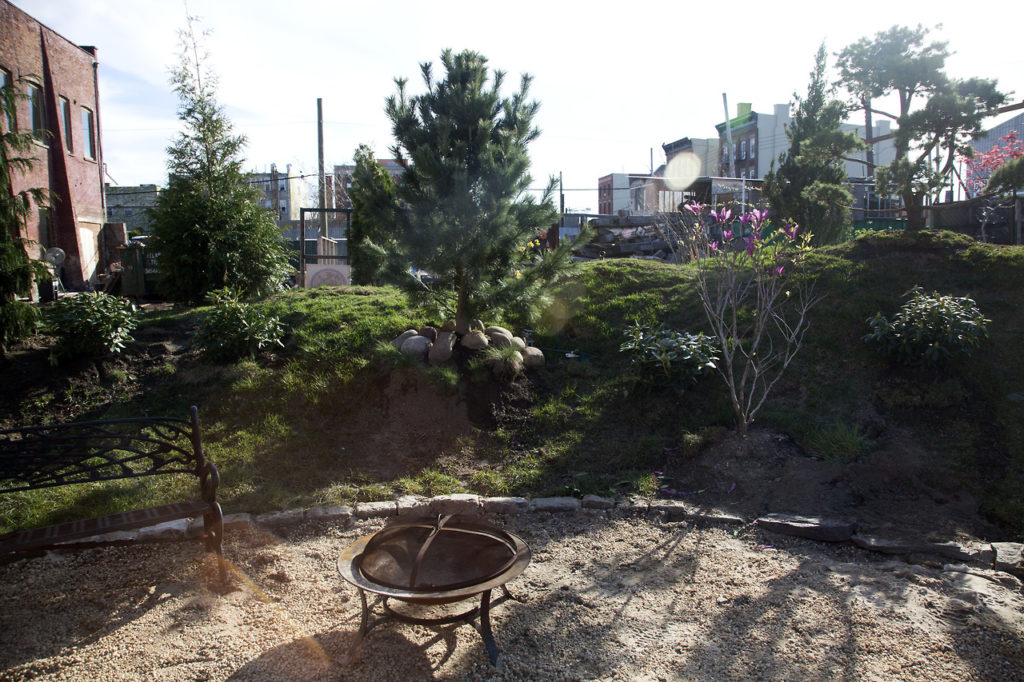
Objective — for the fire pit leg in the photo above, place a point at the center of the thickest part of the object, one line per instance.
(365, 617)
(485, 629)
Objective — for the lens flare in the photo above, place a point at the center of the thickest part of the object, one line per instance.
(682, 170)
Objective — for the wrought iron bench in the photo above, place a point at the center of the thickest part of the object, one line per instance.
(34, 457)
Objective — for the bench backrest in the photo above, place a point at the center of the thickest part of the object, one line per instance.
(79, 452)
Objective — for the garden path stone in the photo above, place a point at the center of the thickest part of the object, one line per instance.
(236, 521)
(597, 502)
(276, 519)
(169, 530)
(329, 513)
(555, 504)
(372, 510)
(412, 505)
(505, 505)
(1009, 557)
(811, 527)
(459, 503)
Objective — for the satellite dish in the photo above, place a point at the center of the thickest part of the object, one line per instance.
(54, 256)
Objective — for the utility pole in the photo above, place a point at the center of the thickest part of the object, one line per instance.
(728, 138)
(320, 158)
(561, 202)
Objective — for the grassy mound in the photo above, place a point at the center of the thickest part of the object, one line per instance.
(330, 419)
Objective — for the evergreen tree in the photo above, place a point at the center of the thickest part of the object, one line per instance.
(374, 203)
(937, 115)
(18, 319)
(464, 214)
(810, 185)
(208, 225)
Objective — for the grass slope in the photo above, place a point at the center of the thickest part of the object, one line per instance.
(333, 419)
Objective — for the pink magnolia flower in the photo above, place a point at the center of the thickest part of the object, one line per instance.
(778, 271)
(726, 235)
(750, 245)
(695, 208)
(713, 246)
(722, 216)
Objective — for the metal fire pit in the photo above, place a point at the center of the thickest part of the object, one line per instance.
(430, 562)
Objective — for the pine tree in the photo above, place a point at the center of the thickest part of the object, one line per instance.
(465, 215)
(208, 225)
(810, 185)
(18, 319)
(937, 115)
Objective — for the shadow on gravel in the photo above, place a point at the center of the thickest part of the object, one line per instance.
(92, 594)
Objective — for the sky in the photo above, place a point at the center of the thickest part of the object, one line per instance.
(615, 81)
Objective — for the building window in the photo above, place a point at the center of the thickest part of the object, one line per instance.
(284, 206)
(35, 110)
(88, 134)
(5, 81)
(743, 150)
(753, 173)
(743, 174)
(65, 122)
(751, 147)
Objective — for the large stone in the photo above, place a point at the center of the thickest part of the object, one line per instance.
(474, 341)
(416, 347)
(441, 351)
(674, 510)
(892, 545)
(811, 527)
(499, 337)
(518, 342)
(555, 504)
(459, 503)
(407, 334)
(429, 332)
(533, 356)
(496, 328)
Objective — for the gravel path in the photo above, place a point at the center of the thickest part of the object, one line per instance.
(606, 597)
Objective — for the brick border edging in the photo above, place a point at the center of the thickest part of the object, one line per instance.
(1001, 556)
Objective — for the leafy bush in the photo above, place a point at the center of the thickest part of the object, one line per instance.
(929, 329)
(91, 324)
(671, 354)
(233, 328)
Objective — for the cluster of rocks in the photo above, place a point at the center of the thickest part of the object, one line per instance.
(437, 346)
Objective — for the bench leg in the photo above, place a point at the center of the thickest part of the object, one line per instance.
(213, 524)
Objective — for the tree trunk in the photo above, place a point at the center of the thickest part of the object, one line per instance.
(914, 206)
(461, 318)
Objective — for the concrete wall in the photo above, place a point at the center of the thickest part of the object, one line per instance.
(29, 49)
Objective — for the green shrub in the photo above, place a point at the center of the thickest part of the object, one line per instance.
(91, 324)
(233, 329)
(929, 329)
(670, 355)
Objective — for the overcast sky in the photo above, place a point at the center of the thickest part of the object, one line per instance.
(614, 79)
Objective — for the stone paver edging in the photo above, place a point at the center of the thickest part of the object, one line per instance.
(1003, 556)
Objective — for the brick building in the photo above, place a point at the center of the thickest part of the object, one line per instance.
(283, 193)
(60, 81)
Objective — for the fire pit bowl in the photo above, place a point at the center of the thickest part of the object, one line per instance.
(430, 562)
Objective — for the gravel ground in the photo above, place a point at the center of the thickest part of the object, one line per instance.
(606, 597)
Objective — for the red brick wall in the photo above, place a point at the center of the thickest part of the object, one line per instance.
(74, 78)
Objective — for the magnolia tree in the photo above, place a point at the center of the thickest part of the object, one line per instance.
(979, 170)
(757, 310)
